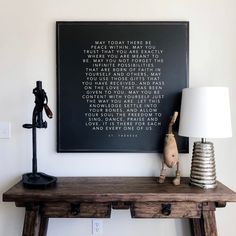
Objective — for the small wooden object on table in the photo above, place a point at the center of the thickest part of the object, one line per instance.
(170, 153)
(91, 197)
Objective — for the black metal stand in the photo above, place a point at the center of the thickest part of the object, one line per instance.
(37, 179)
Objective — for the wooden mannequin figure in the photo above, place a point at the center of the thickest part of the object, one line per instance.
(170, 153)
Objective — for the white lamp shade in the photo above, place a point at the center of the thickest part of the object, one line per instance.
(205, 113)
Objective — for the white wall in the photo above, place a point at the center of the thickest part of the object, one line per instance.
(27, 54)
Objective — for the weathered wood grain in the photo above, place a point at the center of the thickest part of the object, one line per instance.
(76, 210)
(204, 226)
(112, 189)
(155, 210)
(32, 221)
(79, 197)
(209, 223)
(43, 226)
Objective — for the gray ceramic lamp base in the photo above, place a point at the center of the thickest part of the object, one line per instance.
(203, 172)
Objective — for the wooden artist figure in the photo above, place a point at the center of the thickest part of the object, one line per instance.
(170, 153)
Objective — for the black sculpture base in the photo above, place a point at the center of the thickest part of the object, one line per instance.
(38, 180)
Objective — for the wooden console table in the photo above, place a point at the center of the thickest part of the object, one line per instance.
(91, 197)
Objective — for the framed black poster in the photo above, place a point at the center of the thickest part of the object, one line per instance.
(118, 83)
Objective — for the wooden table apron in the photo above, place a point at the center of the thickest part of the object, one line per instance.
(94, 197)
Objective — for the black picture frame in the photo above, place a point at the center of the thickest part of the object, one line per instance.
(98, 123)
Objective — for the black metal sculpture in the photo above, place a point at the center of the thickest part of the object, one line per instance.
(37, 179)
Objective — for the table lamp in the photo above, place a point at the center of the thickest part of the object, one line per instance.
(205, 113)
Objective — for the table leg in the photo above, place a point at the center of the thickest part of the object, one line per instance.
(34, 224)
(204, 226)
(195, 225)
(43, 226)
